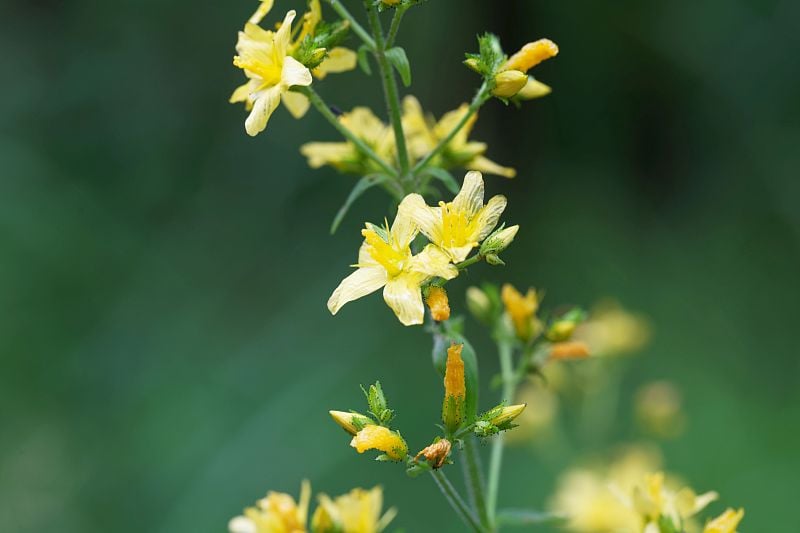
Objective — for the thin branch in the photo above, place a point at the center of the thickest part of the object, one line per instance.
(357, 28)
(455, 501)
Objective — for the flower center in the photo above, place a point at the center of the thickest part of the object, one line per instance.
(389, 257)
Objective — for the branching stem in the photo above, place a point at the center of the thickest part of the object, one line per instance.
(505, 352)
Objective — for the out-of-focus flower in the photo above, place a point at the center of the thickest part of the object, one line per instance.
(381, 438)
(479, 304)
(658, 409)
(458, 226)
(385, 260)
(424, 134)
(561, 351)
(512, 77)
(455, 390)
(611, 330)
(438, 303)
(654, 501)
(277, 513)
(358, 511)
(521, 310)
(538, 418)
(264, 57)
(727, 522)
(344, 156)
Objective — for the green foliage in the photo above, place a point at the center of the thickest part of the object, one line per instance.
(361, 186)
(378, 406)
(397, 57)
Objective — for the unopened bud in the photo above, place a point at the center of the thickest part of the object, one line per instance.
(507, 414)
(438, 304)
(479, 304)
(509, 83)
(436, 453)
(473, 64)
(499, 240)
(351, 422)
(455, 390)
(494, 260)
(561, 330)
(534, 89)
(569, 350)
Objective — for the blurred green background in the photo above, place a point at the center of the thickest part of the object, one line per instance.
(165, 351)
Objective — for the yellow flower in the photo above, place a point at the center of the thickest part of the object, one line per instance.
(344, 156)
(423, 134)
(726, 522)
(653, 499)
(385, 260)
(458, 226)
(454, 389)
(277, 513)
(339, 59)
(521, 310)
(358, 511)
(373, 437)
(611, 330)
(512, 77)
(264, 57)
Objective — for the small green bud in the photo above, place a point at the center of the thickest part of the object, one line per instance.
(479, 304)
(498, 240)
(494, 260)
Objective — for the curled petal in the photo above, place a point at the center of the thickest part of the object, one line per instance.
(404, 296)
(360, 283)
(284, 34)
(266, 102)
(263, 9)
(404, 228)
(489, 215)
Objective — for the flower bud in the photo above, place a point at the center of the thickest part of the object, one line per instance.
(479, 304)
(569, 350)
(531, 55)
(381, 438)
(473, 64)
(351, 422)
(561, 330)
(436, 453)
(507, 414)
(499, 240)
(494, 260)
(508, 83)
(438, 303)
(534, 89)
(455, 390)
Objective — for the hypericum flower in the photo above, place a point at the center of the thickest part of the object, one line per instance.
(654, 501)
(521, 310)
(424, 133)
(385, 260)
(438, 303)
(351, 422)
(611, 330)
(512, 77)
(453, 406)
(436, 453)
(344, 156)
(507, 414)
(458, 226)
(264, 57)
(358, 511)
(373, 437)
(277, 513)
(727, 522)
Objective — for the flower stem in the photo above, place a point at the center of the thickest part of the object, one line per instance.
(357, 28)
(474, 476)
(455, 501)
(389, 88)
(317, 101)
(469, 262)
(478, 100)
(504, 349)
(395, 26)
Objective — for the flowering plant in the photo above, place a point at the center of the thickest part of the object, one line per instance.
(432, 239)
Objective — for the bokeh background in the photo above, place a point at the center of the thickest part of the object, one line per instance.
(165, 352)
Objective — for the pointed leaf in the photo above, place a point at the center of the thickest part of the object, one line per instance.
(363, 59)
(526, 517)
(360, 188)
(397, 57)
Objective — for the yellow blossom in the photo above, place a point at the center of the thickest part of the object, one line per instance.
(344, 156)
(569, 350)
(727, 522)
(373, 437)
(652, 499)
(611, 330)
(454, 389)
(264, 57)
(358, 511)
(277, 513)
(385, 260)
(531, 55)
(521, 310)
(458, 226)
(512, 77)
(424, 134)
(507, 414)
(438, 303)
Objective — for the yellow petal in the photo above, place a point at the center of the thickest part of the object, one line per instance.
(284, 34)
(339, 59)
(531, 55)
(487, 166)
(403, 228)
(431, 262)
(470, 198)
(261, 12)
(240, 94)
(488, 217)
(264, 105)
(508, 83)
(296, 103)
(294, 73)
(381, 438)
(534, 89)
(428, 219)
(358, 284)
(319, 154)
(727, 522)
(403, 295)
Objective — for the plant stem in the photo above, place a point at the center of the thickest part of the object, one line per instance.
(357, 28)
(478, 100)
(504, 349)
(317, 101)
(398, 16)
(469, 262)
(389, 88)
(455, 501)
(474, 476)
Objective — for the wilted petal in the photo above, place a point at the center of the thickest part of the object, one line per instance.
(404, 296)
(360, 283)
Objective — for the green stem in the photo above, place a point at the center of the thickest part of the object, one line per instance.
(474, 476)
(469, 262)
(480, 98)
(389, 88)
(455, 501)
(357, 28)
(504, 349)
(317, 101)
(395, 26)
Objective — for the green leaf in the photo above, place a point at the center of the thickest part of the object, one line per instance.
(364, 184)
(445, 177)
(397, 57)
(363, 59)
(526, 517)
